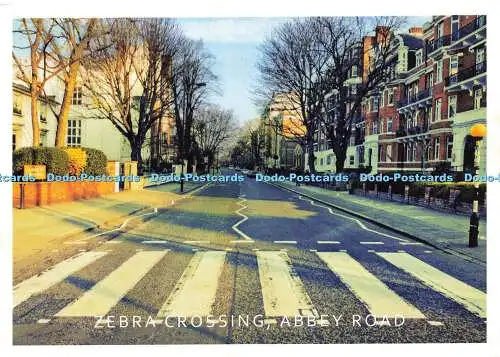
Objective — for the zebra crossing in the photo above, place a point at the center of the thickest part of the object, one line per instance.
(283, 292)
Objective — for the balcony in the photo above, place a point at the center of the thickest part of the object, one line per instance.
(471, 27)
(436, 44)
(425, 94)
(414, 130)
(466, 74)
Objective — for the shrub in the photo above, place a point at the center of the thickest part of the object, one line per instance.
(96, 162)
(21, 157)
(55, 159)
(77, 160)
(416, 191)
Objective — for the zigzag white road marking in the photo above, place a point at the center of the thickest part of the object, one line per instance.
(235, 226)
(353, 219)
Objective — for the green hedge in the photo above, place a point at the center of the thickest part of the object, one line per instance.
(55, 159)
(96, 162)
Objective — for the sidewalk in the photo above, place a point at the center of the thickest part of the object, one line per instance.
(40, 228)
(443, 230)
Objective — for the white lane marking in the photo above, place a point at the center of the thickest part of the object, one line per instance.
(238, 212)
(427, 251)
(241, 241)
(371, 243)
(435, 323)
(75, 242)
(113, 241)
(355, 220)
(282, 290)
(285, 242)
(108, 292)
(195, 292)
(313, 250)
(328, 242)
(378, 298)
(410, 243)
(36, 284)
(196, 241)
(154, 241)
(43, 321)
(471, 298)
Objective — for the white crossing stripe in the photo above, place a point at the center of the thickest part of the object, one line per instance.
(195, 292)
(471, 298)
(34, 285)
(109, 291)
(378, 298)
(282, 290)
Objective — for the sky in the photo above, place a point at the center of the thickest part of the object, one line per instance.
(234, 43)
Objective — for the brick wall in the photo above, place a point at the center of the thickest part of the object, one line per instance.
(46, 193)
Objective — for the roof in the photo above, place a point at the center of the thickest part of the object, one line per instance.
(412, 42)
(25, 89)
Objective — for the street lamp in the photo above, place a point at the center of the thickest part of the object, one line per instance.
(478, 131)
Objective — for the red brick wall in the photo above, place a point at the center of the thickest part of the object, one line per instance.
(46, 193)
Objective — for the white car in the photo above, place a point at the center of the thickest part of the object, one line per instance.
(245, 171)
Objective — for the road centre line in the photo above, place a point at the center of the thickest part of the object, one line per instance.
(238, 212)
(371, 243)
(285, 242)
(328, 242)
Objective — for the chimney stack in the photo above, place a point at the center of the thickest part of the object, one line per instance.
(416, 31)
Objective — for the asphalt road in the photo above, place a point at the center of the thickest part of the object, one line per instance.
(250, 263)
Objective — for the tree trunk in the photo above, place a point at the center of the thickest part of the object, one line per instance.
(340, 161)
(136, 155)
(34, 116)
(311, 157)
(62, 124)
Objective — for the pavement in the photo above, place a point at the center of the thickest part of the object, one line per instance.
(439, 229)
(248, 262)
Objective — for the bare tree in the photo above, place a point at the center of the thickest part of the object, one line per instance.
(342, 41)
(191, 81)
(35, 36)
(71, 46)
(292, 68)
(129, 80)
(212, 128)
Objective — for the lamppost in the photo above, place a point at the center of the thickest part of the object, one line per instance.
(478, 131)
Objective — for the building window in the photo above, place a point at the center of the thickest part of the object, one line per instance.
(14, 142)
(43, 138)
(351, 160)
(17, 104)
(354, 71)
(452, 106)
(414, 152)
(375, 104)
(449, 147)
(436, 149)
(74, 133)
(437, 110)
(453, 65)
(480, 55)
(382, 99)
(77, 96)
(478, 95)
(390, 97)
(389, 153)
(389, 125)
(408, 151)
(43, 112)
(419, 57)
(439, 71)
(375, 127)
(454, 27)
(430, 79)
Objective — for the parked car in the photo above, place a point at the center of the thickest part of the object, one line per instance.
(252, 173)
(245, 171)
